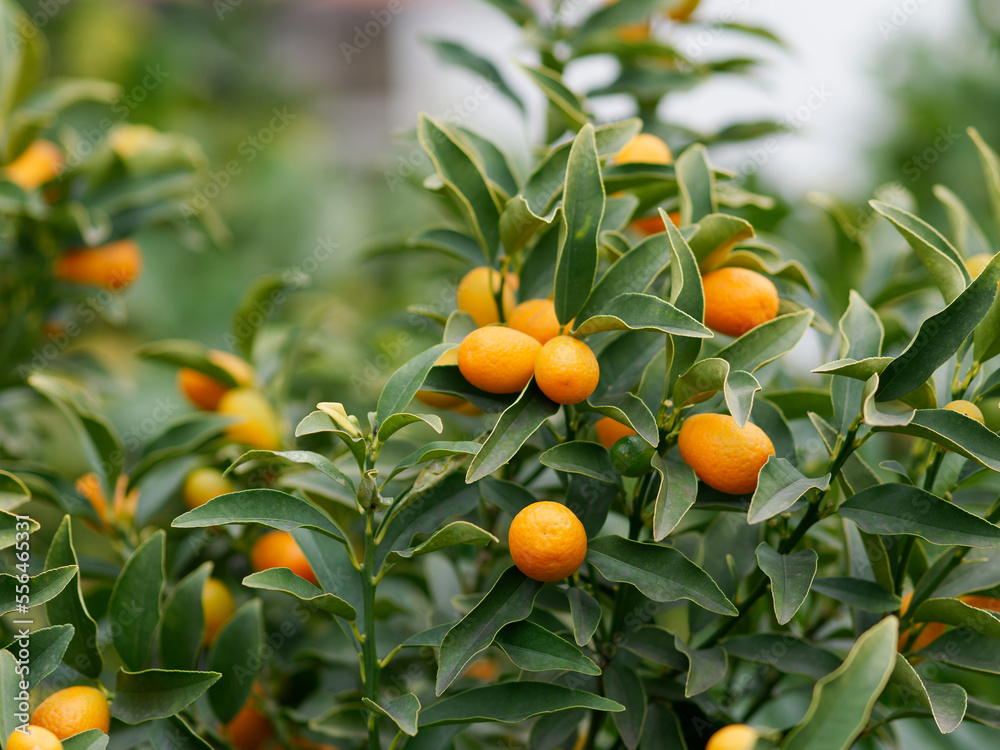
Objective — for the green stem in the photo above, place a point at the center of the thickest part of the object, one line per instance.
(370, 655)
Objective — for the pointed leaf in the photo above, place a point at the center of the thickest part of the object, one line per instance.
(43, 587)
(642, 312)
(561, 97)
(135, 601)
(183, 627)
(633, 272)
(435, 450)
(791, 578)
(157, 693)
(68, 608)
(46, 647)
(321, 463)
(947, 703)
(675, 497)
(965, 649)
(954, 431)
(624, 686)
(779, 486)
(694, 178)
(707, 667)
(958, 613)
(238, 639)
(404, 712)
(783, 652)
(767, 342)
(858, 592)
(581, 457)
(455, 533)
(511, 703)
(403, 385)
(283, 579)
(535, 649)
(627, 409)
(586, 613)
(714, 237)
(458, 54)
(991, 171)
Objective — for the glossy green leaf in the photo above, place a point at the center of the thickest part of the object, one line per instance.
(92, 739)
(947, 703)
(396, 422)
(535, 649)
(663, 574)
(861, 334)
(461, 174)
(559, 95)
(767, 342)
(448, 379)
(583, 209)
(676, 495)
(555, 731)
(635, 271)
(157, 693)
(10, 688)
(451, 242)
(627, 409)
(182, 629)
(967, 237)
(323, 421)
(454, 53)
(663, 730)
(511, 703)
(940, 336)
(784, 652)
(436, 450)
(585, 611)
(580, 457)
(706, 667)
(455, 533)
(958, 613)
(404, 712)
(321, 463)
(779, 486)
(642, 312)
(695, 180)
(46, 647)
(509, 600)
(657, 645)
(687, 294)
(954, 431)
(13, 493)
(858, 592)
(843, 700)
(333, 567)
(43, 587)
(68, 608)
(714, 237)
(283, 579)
(624, 686)
(267, 507)
(991, 171)
(965, 649)
(789, 270)
(941, 260)
(136, 602)
(240, 637)
(403, 385)
(518, 423)
(791, 578)
(983, 712)
(894, 509)
(709, 376)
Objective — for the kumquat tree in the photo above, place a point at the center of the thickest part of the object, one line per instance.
(657, 476)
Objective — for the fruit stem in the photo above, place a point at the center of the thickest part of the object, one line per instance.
(371, 662)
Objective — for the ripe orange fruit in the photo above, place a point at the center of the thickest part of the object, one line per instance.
(975, 264)
(982, 602)
(205, 484)
(566, 370)
(645, 148)
(36, 738)
(733, 737)
(738, 300)
(250, 728)
(650, 225)
(112, 266)
(217, 604)
(443, 400)
(930, 633)
(547, 541)
(278, 549)
(259, 427)
(73, 710)
(722, 454)
(483, 669)
(967, 408)
(206, 392)
(90, 487)
(610, 431)
(537, 318)
(36, 165)
(496, 359)
(477, 298)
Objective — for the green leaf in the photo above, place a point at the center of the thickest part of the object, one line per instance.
(454, 53)
(261, 295)
(404, 712)
(941, 260)
(455, 533)
(519, 12)
(663, 730)
(13, 493)
(767, 342)
(321, 463)
(434, 451)
(183, 436)
(184, 353)
(984, 713)
(714, 237)
(559, 95)
(182, 628)
(518, 423)
(135, 602)
(783, 652)
(46, 647)
(991, 171)
(676, 495)
(635, 271)
(657, 645)
(535, 649)
(400, 389)
(68, 608)
(843, 700)
(947, 703)
(687, 294)
(43, 587)
(511, 703)
(451, 242)
(958, 613)
(585, 611)
(334, 568)
(707, 667)
(267, 507)
(940, 336)
(396, 422)
(791, 578)
(167, 734)
(861, 335)
(627, 409)
(283, 579)
(509, 600)
(157, 693)
(580, 457)
(894, 509)
(663, 574)
(965, 649)
(583, 209)
(967, 236)
(952, 430)
(642, 312)
(9, 691)
(624, 686)
(92, 739)
(241, 637)
(467, 183)
(448, 379)
(709, 376)
(694, 177)
(779, 486)
(614, 15)
(858, 592)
